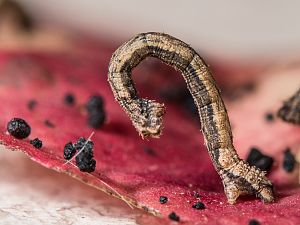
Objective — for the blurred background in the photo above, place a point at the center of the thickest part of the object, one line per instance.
(233, 29)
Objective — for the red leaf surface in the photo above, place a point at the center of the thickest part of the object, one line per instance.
(177, 165)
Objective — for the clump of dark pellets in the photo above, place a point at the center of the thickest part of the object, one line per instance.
(261, 161)
(48, 123)
(163, 199)
(85, 159)
(269, 117)
(31, 104)
(199, 206)
(254, 222)
(69, 151)
(69, 99)
(96, 112)
(289, 161)
(37, 143)
(18, 128)
(174, 216)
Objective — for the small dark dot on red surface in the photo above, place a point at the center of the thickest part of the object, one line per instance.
(174, 216)
(37, 143)
(48, 123)
(149, 151)
(163, 199)
(199, 206)
(32, 104)
(289, 161)
(269, 117)
(18, 128)
(253, 222)
(69, 99)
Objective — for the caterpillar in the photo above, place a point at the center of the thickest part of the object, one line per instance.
(237, 176)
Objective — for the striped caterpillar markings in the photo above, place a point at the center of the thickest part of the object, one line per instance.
(147, 115)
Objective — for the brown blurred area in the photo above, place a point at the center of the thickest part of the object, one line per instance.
(18, 31)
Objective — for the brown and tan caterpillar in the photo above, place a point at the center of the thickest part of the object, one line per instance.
(237, 176)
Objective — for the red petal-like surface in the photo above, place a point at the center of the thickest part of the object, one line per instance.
(177, 165)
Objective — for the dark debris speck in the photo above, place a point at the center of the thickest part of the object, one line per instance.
(48, 123)
(31, 104)
(256, 158)
(96, 112)
(69, 99)
(289, 161)
(18, 128)
(199, 206)
(69, 151)
(269, 117)
(265, 163)
(174, 216)
(253, 222)
(37, 143)
(163, 199)
(149, 151)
